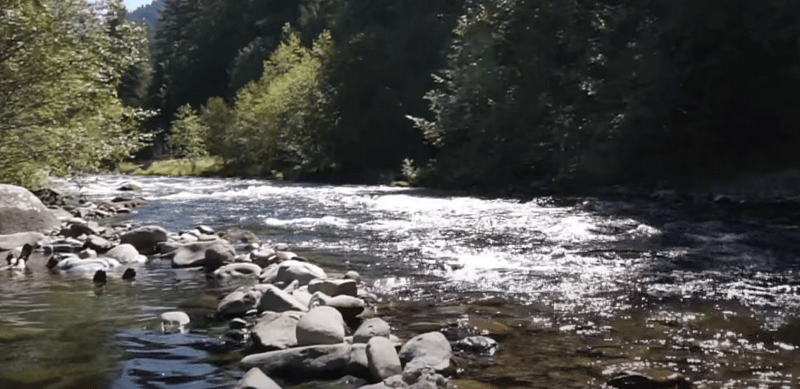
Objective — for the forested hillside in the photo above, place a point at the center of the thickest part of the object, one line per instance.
(477, 93)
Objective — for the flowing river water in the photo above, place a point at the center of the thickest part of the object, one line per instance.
(574, 290)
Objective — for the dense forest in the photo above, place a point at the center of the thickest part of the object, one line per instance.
(508, 94)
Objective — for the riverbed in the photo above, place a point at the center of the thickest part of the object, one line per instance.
(574, 289)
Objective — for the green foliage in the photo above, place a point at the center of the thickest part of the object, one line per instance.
(59, 110)
(188, 134)
(283, 119)
(218, 117)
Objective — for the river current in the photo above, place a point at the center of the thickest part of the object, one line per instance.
(575, 290)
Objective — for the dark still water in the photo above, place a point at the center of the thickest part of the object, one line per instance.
(574, 290)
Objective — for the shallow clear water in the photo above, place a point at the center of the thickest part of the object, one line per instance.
(575, 289)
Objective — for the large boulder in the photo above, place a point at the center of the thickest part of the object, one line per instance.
(211, 255)
(382, 358)
(286, 272)
(430, 350)
(21, 211)
(333, 287)
(350, 307)
(74, 266)
(239, 301)
(321, 325)
(370, 328)
(276, 300)
(12, 241)
(256, 379)
(125, 254)
(276, 331)
(318, 361)
(144, 239)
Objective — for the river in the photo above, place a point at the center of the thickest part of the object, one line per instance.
(574, 290)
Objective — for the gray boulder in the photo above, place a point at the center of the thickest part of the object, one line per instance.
(430, 349)
(21, 211)
(12, 241)
(309, 362)
(276, 331)
(370, 328)
(239, 301)
(382, 358)
(276, 300)
(99, 244)
(350, 307)
(286, 272)
(333, 288)
(125, 254)
(211, 255)
(73, 266)
(321, 325)
(144, 239)
(174, 321)
(357, 363)
(263, 257)
(256, 379)
(237, 271)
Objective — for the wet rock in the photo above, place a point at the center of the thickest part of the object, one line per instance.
(145, 239)
(98, 243)
(174, 321)
(239, 301)
(21, 211)
(276, 300)
(350, 307)
(276, 331)
(129, 187)
(99, 277)
(237, 271)
(263, 257)
(211, 255)
(129, 275)
(309, 362)
(12, 241)
(87, 253)
(425, 380)
(478, 344)
(638, 381)
(431, 349)
(352, 275)
(237, 324)
(284, 255)
(357, 363)
(382, 358)
(168, 247)
(239, 236)
(333, 288)
(321, 325)
(286, 272)
(78, 227)
(371, 327)
(256, 379)
(205, 230)
(73, 266)
(126, 253)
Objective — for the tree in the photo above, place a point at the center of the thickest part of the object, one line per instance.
(188, 135)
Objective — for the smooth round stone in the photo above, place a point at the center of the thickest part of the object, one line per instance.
(174, 321)
(371, 328)
(321, 325)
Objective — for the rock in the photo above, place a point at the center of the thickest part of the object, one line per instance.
(350, 307)
(99, 277)
(78, 227)
(321, 325)
(432, 349)
(129, 274)
(126, 253)
(12, 241)
(285, 255)
(174, 321)
(478, 344)
(370, 328)
(237, 236)
(211, 255)
(87, 253)
(425, 378)
(168, 247)
(302, 296)
(21, 211)
(237, 270)
(71, 265)
(239, 302)
(638, 381)
(275, 300)
(256, 379)
(318, 361)
(352, 275)
(205, 230)
(286, 272)
(144, 239)
(129, 187)
(357, 363)
(99, 244)
(333, 288)
(263, 257)
(237, 324)
(382, 358)
(276, 331)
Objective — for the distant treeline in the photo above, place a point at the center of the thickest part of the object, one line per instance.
(504, 94)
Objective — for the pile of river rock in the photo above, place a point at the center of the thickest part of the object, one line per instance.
(300, 323)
